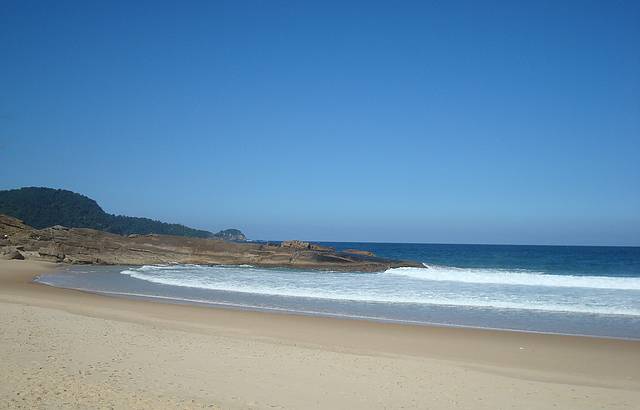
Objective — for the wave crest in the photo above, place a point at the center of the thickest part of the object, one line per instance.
(513, 277)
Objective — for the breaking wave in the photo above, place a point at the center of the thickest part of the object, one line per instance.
(432, 285)
(514, 277)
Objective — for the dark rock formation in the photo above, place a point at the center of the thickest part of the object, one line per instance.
(81, 245)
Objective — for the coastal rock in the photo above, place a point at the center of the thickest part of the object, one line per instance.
(89, 246)
(10, 225)
(358, 252)
(316, 247)
(17, 255)
(52, 252)
(231, 235)
(294, 244)
(13, 254)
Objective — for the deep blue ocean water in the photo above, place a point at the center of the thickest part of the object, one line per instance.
(558, 289)
(555, 260)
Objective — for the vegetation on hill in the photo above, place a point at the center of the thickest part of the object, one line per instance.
(45, 207)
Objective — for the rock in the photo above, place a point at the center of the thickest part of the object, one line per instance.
(59, 228)
(305, 245)
(230, 235)
(295, 244)
(12, 252)
(52, 252)
(358, 252)
(10, 225)
(17, 255)
(320, 248)
(82, 245)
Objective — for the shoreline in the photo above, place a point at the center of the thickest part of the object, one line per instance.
(523, 318)
(606, 370)
(282, 311)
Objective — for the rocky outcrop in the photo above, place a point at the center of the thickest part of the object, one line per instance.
(12, 253)
(294, 244)
(10, 226)
(89, 246)
(231, 235)
(359, 252)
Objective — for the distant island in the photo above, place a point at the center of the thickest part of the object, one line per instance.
(45, 207)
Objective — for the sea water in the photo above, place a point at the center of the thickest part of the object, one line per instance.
(591, 291)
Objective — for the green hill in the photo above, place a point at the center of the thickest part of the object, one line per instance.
(45, 207)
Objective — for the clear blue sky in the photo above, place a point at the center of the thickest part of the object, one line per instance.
(463, 122)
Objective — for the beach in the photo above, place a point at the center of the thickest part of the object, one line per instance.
(70, 349)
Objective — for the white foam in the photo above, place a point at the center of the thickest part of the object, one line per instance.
(510, 277)
(390, 287)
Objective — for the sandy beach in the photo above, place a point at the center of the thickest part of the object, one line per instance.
(69, 349)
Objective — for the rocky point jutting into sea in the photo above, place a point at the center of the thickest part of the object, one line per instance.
(90, 246)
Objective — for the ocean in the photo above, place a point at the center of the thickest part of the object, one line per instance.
(592, 291)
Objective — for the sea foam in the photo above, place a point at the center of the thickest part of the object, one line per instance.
(514, 277)
(434, 285)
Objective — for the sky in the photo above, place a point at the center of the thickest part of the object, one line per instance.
(430, 121)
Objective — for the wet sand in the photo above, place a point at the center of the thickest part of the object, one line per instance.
(69, 349)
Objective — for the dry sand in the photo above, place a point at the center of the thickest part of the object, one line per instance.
(68, 349)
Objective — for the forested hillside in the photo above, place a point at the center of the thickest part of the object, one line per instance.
(45, 207)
